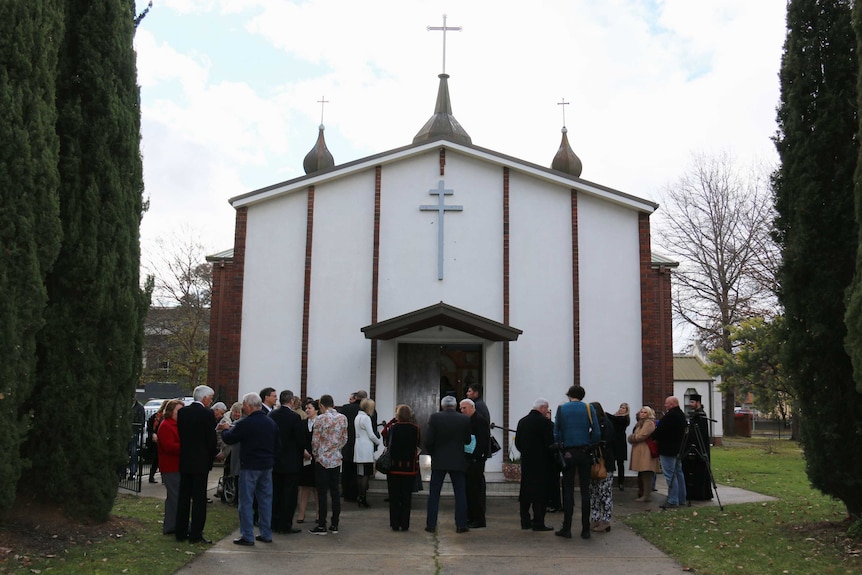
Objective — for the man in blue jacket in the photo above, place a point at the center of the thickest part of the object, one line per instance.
(258, 435)
(576, 427)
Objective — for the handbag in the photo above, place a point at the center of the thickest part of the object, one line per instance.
(653, 447)
(598, 469)
(493, 446)
(384, 462)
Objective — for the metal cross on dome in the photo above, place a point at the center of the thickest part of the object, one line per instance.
(444, 29)
(441, 208)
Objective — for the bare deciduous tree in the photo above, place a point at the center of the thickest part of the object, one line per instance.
(717, 221)
(178, 323)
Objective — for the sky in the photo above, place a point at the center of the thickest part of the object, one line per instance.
(230, 89)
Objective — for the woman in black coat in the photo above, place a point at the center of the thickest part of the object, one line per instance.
(402, 440)
(620, 421)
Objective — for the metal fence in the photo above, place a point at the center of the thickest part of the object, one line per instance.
(136, 464)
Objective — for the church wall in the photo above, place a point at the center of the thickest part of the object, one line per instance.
(472, 237)
(540, 279)
(273, 295)
(338, 353)
(610, 302)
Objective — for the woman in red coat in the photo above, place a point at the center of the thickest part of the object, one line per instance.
(168, 440)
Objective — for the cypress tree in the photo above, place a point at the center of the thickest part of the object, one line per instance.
(29, 209)
(817, 145)
(89, 351)
(853, 318)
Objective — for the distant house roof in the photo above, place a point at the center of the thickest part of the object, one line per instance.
(689, 368)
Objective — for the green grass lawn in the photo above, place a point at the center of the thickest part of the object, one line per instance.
(802, 532)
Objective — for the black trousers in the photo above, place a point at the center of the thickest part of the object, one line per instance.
(580, 464)
(348, 480)
(328, 481)
(193, 496)
(285, 491)
(400, 488)
(534, 494)
(476, 491)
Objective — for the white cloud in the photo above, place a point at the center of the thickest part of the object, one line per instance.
(648, 83)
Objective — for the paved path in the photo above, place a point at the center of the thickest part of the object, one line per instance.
(366, 544)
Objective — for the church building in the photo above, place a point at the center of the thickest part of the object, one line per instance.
(417, 271)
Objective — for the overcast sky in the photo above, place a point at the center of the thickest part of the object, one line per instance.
(230, 89)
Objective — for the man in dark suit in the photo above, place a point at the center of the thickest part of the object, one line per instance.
(288, 463)
(196, 427)
(448, 433)
(475, 476)
(349, 489)
(533, 438)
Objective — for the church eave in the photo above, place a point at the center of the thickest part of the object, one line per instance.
(383, 158)
(443, 315)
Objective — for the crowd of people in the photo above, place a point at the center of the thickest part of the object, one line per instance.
(280, 451)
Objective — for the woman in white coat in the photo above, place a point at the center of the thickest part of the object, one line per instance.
(363, 453)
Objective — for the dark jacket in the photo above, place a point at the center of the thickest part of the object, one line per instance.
(480, 427)
(196, 428)
(349, 410)
(621, 425)
(258, 436)
(403, 441)
(608, 435)
(448, 433)
(291, 433)
(533, 438)
(669, 431)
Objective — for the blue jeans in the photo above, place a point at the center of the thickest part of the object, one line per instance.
(458, 486)
(255, 483)
(672, 471)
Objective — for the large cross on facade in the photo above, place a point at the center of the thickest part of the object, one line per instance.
(444, 29)
(441, 208)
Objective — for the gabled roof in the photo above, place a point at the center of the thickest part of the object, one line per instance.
(689, 368)
(484, 154)
(445, 315)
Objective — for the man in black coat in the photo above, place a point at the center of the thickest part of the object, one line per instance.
(196, 428)
(533, 438)
(288, 463)
(448, 432)
(669, 434)
(349, 489)
(475, 477)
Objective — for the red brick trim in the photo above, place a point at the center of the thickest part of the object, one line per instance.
(375, 277)
(306, 298)
(442, 161)
(576, 296)
(226, 317)
(656, 326)
(506, 381)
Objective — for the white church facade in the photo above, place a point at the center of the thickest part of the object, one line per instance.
(417, 271)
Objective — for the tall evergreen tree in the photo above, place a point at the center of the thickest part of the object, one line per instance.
(853, 318)
(29, 208)
(89, 351)
(817, 144)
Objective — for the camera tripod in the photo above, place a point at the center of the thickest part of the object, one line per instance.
(697, 448)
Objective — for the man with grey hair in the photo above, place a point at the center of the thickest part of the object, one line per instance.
(475, 476)
(196, 428)
(533, 438)
(448, 432)
(258, 436)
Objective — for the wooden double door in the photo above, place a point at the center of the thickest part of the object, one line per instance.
(428, 372)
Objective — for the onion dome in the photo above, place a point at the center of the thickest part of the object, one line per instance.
(319, 157)
(566, 160)
(442, 124)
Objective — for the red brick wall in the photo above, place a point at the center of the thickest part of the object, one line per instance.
(576, 295)
(657, 332)
(226, 317)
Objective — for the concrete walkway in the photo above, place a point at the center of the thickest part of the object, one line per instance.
(366, 544)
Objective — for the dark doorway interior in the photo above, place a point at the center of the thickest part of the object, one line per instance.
(427, 372)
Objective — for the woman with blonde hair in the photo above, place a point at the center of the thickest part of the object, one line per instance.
(642, 460)
(168, 443)
(363, 453)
